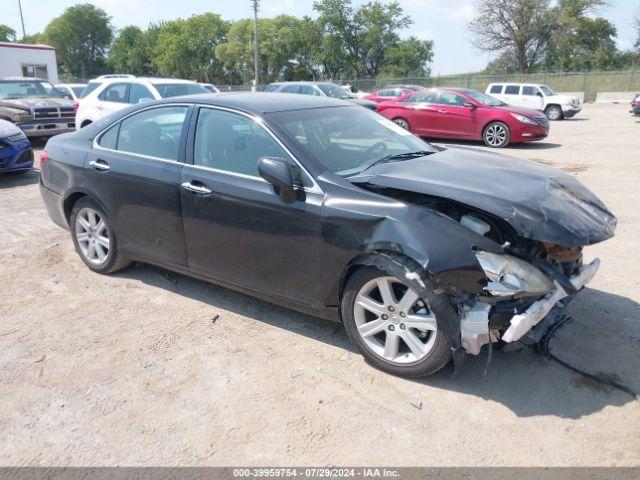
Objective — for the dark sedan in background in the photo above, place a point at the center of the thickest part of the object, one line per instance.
(424, 253)
(320, 89)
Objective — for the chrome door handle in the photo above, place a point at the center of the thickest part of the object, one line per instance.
(201, 189)
(443, 111)
(100, 165)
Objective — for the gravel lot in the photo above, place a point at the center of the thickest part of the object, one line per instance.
(131, 369)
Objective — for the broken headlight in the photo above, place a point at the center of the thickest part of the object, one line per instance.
(509, 276)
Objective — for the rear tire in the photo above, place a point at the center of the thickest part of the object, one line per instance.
(553, 112)
(94, 238)
(391, 327)
(402, 122)
(496, 135)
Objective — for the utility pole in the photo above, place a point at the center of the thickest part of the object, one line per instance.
(24, 33)
(256, 79)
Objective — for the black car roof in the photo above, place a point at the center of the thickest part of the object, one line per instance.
(259, 103)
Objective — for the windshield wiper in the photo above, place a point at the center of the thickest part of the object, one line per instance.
(401, 156)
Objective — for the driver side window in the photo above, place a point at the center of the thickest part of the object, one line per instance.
(233, 143)
(422, 97)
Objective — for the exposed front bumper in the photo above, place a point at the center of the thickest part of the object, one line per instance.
(570, 111)
(16, 158)
(47, 128)
(522, 323)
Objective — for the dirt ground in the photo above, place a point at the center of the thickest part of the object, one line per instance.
(132, 369)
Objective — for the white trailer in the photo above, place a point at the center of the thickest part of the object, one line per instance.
(37, 61)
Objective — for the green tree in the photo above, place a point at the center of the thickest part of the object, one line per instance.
(186, 48)
(131, 52)
(409, 58)
(32, 39)
(518, 30)
(580, 41)
(7, 34)
(355, 41)
(81, 36)
(285, 47)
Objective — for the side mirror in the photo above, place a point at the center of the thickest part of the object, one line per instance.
(145, 100)
(469, 105)
(278, 173)
(539, 94)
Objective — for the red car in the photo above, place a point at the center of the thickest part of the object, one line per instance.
(389, 93)
(465, 114)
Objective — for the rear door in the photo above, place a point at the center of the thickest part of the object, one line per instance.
(236, 227)
(422, 112)
(137, 165)
(511, 95)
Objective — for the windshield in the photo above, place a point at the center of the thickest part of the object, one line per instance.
(334, 91)
(547, 91)
(348, 140)
(28, 89)
(487, 100)
(167, 90)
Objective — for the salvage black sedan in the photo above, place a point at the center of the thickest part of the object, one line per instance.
(424, 253)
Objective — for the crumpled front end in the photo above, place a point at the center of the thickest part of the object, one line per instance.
(518, 295)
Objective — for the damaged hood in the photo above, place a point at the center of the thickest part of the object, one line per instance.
(539, 202)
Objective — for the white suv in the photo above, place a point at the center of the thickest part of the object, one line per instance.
(109, 93)
(536, 96)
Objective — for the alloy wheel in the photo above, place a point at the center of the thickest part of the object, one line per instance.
(402, 122)
(495, 135)
(554, 113)
(393, 322)
(92, 236)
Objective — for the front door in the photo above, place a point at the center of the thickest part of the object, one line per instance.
(113, 98)
(136, 173)
(454, 118)
(236, 227)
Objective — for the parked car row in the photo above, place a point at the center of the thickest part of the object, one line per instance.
(320, 89)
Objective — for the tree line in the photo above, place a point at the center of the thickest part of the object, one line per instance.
(342, 41)
(537, 35)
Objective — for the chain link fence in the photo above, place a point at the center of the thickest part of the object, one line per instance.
(588, 82)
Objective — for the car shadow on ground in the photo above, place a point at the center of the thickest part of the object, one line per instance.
(10, 180)
(520, 379)
(514, 146)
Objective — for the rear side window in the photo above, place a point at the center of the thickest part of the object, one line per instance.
(387, 93)
(291, 89)
(154, 133)
(422, 97)
(496, 89)
(91, 86)
(272, 87)
(529, 91)
(109, 139)
(512, 90)
(116, 92)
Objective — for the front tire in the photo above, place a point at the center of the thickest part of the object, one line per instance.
(391, 326)
(553, 112)
(94, 238)
(496, 135)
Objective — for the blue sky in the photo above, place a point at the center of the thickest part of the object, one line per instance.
(443, 21)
